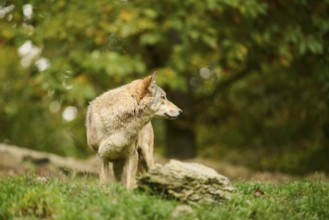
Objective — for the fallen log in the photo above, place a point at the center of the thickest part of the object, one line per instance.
(188, 182)
(13, 157)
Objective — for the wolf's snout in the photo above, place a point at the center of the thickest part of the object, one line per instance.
(175, 112)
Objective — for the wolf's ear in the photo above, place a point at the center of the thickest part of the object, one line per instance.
(152, 85)
(149, 83)
(154, 77)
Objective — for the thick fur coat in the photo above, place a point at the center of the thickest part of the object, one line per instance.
(119, 126)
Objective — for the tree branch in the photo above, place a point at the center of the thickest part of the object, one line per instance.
(226, 84)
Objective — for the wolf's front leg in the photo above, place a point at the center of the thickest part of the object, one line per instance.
(104, 170)
(145, 146)
(132, 164)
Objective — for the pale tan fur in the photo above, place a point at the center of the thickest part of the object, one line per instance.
(118, 123)
(145, 147)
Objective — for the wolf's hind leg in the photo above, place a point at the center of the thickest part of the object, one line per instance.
(118, 169)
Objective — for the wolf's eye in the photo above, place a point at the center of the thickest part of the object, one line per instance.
(163, 97)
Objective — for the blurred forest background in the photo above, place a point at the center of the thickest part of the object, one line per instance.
(251, 76)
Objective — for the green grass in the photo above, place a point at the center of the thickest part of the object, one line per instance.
(25, 197)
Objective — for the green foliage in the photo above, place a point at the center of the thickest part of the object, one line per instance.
(255, 70)
(82, 199)
(26, 197)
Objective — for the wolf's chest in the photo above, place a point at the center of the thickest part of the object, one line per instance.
(118, 146)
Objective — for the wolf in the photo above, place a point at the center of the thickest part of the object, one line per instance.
(119, 129)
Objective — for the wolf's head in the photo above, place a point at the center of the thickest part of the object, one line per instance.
(157, 100)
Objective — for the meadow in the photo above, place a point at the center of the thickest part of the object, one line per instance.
(33, 197)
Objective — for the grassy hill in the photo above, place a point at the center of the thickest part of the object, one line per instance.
(33, 197)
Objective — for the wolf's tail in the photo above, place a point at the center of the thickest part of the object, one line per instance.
(92, 139)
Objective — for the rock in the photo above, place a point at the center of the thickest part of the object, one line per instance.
(189, 182)
(42, 179)
(181, 210)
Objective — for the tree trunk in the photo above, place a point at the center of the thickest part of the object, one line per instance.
(180, 133)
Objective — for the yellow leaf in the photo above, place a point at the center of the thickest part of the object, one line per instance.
(125, 16)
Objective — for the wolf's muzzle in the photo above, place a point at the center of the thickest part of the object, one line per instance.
(174, 116)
